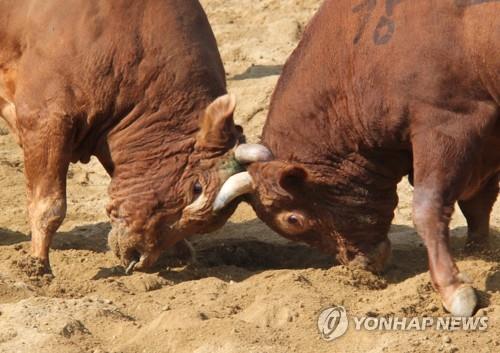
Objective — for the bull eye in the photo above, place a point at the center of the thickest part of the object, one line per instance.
(294, 223)
(197, 189)
(292, 219)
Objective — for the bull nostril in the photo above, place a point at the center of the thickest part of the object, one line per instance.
(135, 257)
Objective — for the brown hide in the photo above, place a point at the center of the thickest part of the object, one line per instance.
(129, 82)
(377, 90)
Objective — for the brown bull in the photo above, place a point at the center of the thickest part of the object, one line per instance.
(134, 83)
(377, 90)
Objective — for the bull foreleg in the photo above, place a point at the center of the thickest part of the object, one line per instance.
(477, 211)
(440, 176)
(46, 158)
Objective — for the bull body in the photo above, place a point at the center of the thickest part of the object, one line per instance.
(377, 90)
(134, 83)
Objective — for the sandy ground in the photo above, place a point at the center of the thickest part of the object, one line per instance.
(251, 291)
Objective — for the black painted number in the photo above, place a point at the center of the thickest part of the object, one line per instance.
(385, 27)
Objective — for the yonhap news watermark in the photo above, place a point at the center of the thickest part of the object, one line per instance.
(334, 322)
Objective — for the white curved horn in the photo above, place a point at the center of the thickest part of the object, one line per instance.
(237, 185)
(249, 153)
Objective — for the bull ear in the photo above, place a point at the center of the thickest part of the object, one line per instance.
(293, 178)
(217, 129)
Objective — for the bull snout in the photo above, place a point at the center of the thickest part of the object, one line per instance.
(140, 261)
(374, 258)
(128, 249)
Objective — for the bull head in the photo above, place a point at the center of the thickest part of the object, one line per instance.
(179, 193)
(311, 205)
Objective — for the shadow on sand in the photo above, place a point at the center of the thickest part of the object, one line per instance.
(91, 237)
(240, 250)
(9, 237)
(258, 71)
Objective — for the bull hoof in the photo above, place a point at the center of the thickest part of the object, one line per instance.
(35, 267)
(463, 302)
(475, 245)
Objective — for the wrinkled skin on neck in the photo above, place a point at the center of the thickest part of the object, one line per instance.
(342, 208)
(163, 188)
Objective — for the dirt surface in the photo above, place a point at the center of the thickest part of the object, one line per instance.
(251, 291)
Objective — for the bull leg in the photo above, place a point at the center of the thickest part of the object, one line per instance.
(477, 211)
(46, 159)
(439, 179)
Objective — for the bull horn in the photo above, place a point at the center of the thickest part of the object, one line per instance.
(237, 185)
(249, 153)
